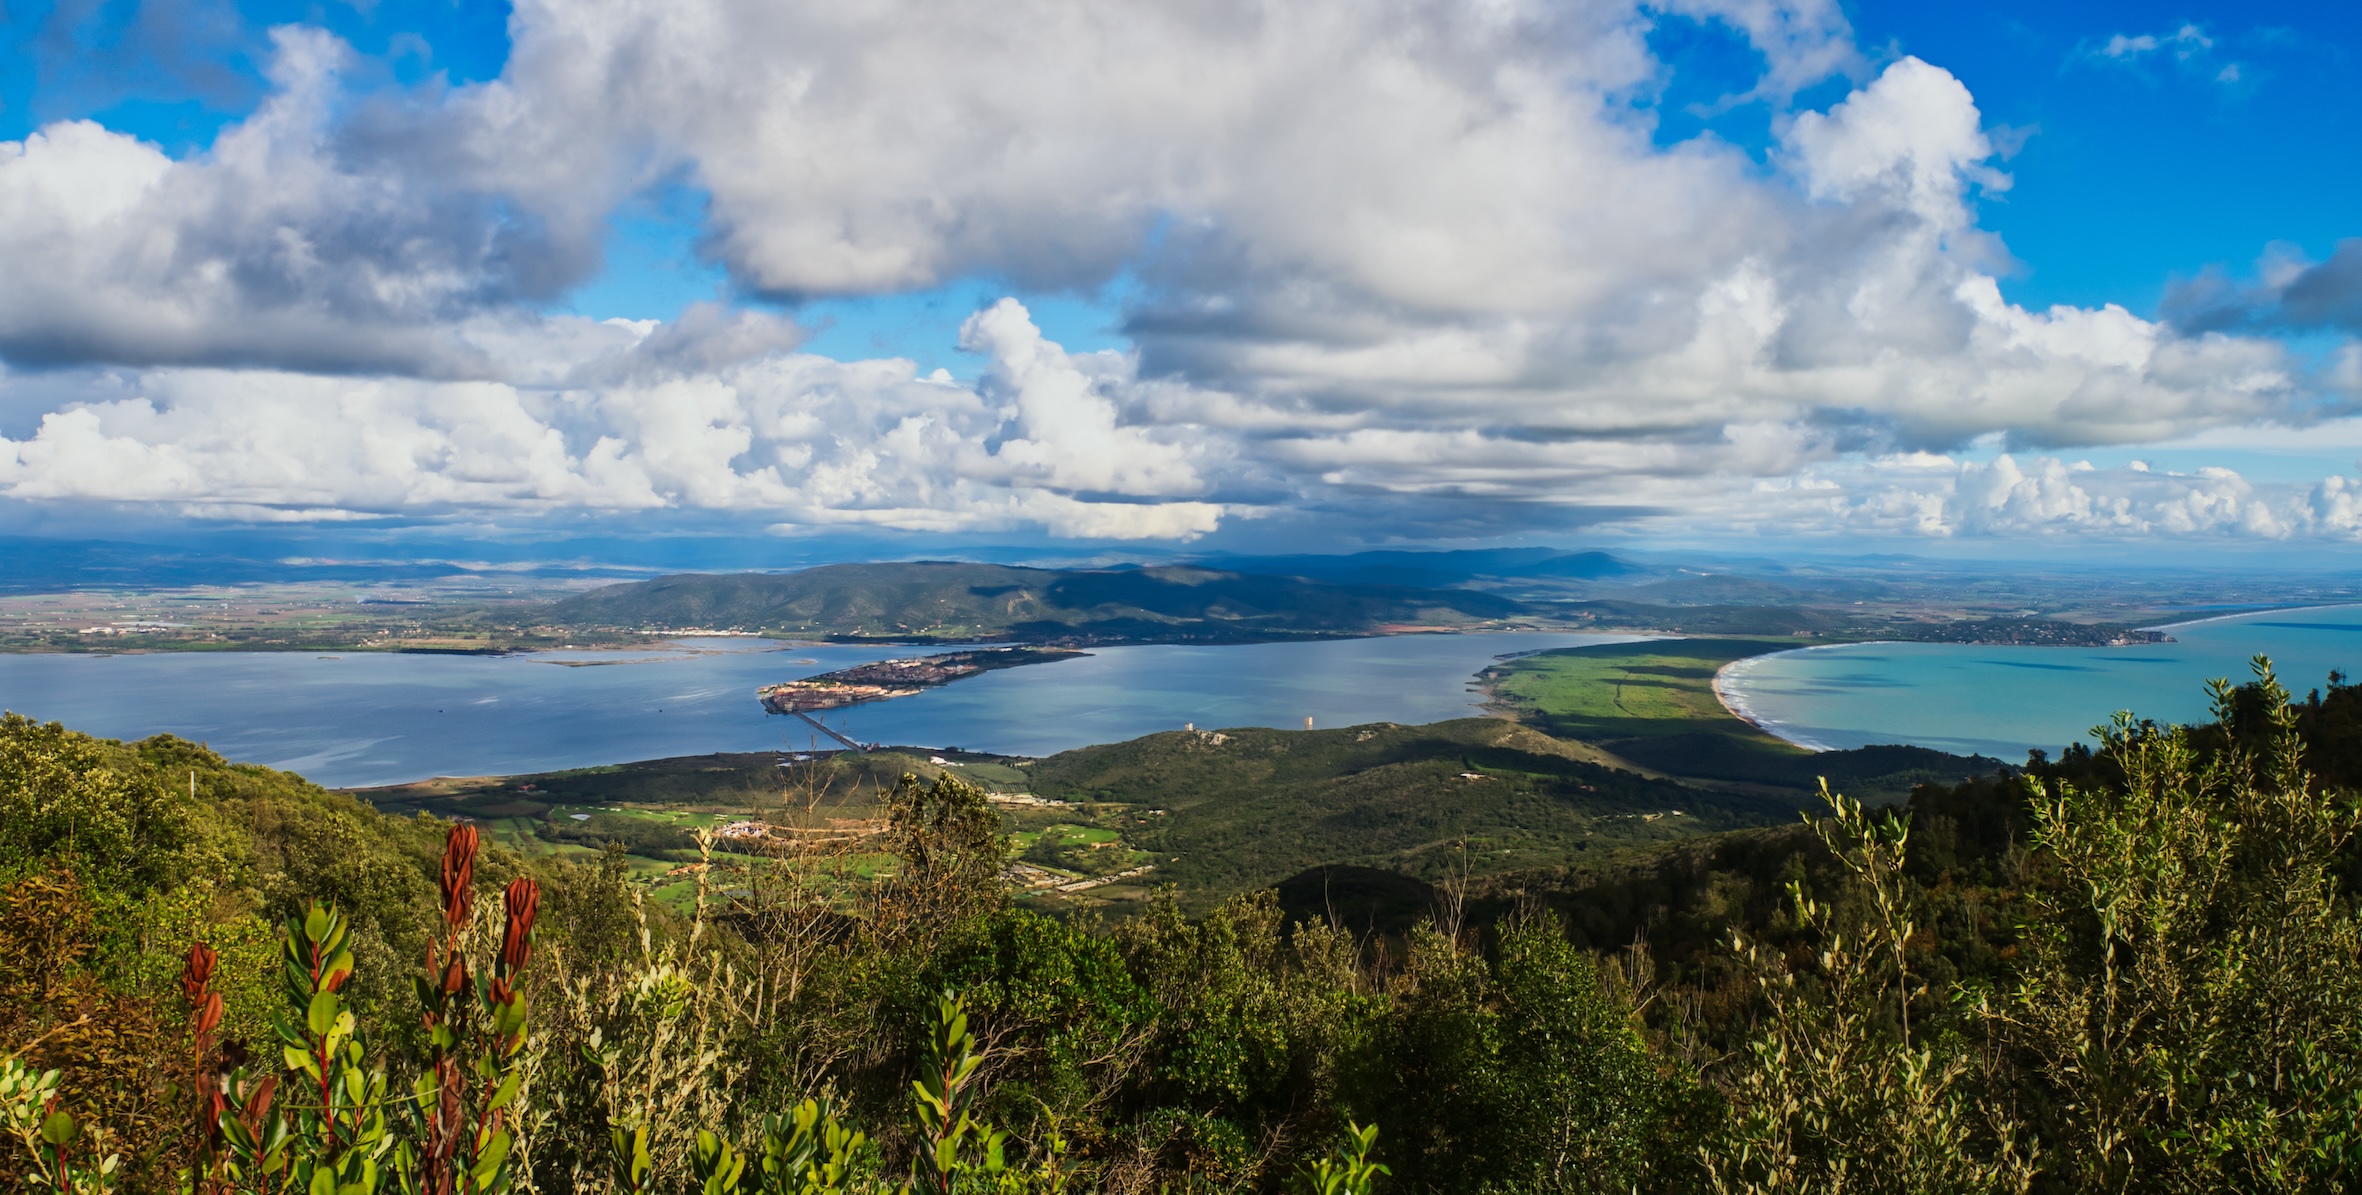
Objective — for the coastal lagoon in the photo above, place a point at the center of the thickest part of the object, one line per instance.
(375, 718)
(2000, 701)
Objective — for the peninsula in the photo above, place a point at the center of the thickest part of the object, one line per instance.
(898, 678)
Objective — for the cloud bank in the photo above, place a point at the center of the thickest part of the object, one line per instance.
(788, 438)
(1413, 256)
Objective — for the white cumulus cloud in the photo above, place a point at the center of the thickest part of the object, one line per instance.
(793, 438)
(1397, 256)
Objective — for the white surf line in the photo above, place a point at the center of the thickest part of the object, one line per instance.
(1727, 677)
(2167, 626)
(1725, 691)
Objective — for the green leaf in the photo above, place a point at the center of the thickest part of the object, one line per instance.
(57, 1129)
(506, 1092)
(489, 1159)
(322, 1014)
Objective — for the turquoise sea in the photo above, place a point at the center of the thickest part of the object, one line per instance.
(378, 719)
(373, 718)
(2000, 701)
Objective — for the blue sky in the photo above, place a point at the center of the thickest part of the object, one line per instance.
(2132, 172)
(1176, 304)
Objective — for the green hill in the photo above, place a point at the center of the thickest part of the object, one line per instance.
(168, 841)
(958, 601)
(1624, 751)
(1246, 808)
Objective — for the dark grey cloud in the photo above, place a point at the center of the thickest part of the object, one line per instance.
(706, 339)
(291, 242)
(2328, 295)
(89, 55)
(2303, 297)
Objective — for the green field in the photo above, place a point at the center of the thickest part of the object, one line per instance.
(652, 809)
(1631, 690)
(1652, 703)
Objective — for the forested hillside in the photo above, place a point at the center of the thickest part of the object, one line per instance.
(2132, 968)
(1242, 809)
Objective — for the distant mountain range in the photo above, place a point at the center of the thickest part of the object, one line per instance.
(1440, 569)
(953, 601)
(950, 601)
(1215, 597)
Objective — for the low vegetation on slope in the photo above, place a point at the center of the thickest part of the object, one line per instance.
(1638, 754)
(946, 601)
(2142, 971)
(1217, 814)
(1243, 808)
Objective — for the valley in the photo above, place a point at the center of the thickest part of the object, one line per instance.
(1603, 755)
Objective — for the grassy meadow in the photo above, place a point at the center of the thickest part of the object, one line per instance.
(1651, 706)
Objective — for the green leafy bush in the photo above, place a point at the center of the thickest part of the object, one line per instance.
(2133, 968)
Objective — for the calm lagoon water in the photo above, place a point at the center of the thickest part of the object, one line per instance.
(2002, 700)
(381, 719)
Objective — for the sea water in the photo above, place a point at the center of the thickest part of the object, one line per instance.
(2000, 701)
(374, 718)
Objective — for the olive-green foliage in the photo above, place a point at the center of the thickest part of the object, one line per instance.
(2193, 1003)
(1059, 997)
(2181, 1012)
(88, 802)
(49, 1150)
(1350, 1172)
(168, 843)
(173, 840)
(1832, 1093)
(2138, 972)
(1243, 809)
(97, 1053)
(956, 1149)
(946, 834)
(634, 1056)
(1521, 1071)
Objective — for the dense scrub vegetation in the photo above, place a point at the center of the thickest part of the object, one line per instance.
(2132, 968)
(1242, 809)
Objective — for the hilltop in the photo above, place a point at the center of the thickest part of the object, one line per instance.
(1245, 808)
(950, 601)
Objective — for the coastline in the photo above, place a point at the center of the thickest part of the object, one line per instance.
(2167, 626)
(2202, 651)
(1735, 703)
